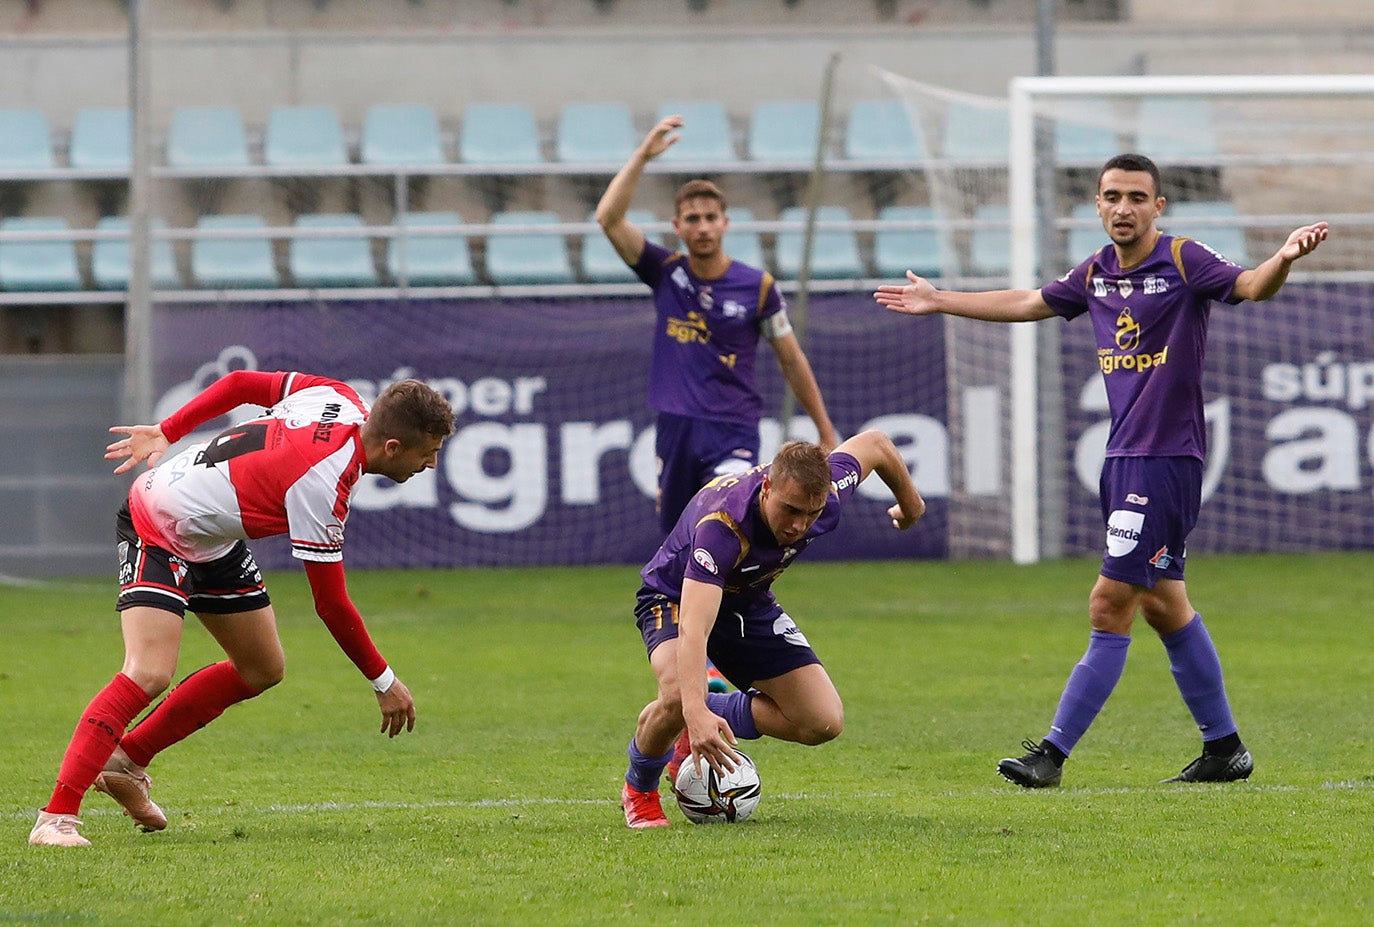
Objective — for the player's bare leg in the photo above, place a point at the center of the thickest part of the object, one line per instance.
(802, 706)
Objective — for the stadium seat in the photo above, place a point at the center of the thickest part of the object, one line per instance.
(25, 140)
(990, 247)
(499, 133)
(206, 137)
(331, 262)
(784, 132)
(977, 136)
(882, 130)
(1176, 129)
(895, 251)
(432, 260)
(110, 257)
(1090, 238)
(595, 133)
(834, 253)
(304, 136)
(527, 257)
(1088, 136)
(401, 134)
(600, 262)
(101, 140)
(1226, 237)
(741, 245)
(232, 263)
(37, 265)
(706, 137)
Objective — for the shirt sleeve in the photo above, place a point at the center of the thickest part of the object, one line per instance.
(649, 267)
(1068, 296)
(241, 387)
(716, 549)
(1208, 273)
(342, 617)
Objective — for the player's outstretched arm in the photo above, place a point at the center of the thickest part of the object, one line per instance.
(624, 235)
(141, 442)
(918, 296)
(876, 453)
(1268, 278)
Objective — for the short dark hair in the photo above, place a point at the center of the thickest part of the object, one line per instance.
(698, 189)
(805, 465)
(411, 411)
(1132, 162)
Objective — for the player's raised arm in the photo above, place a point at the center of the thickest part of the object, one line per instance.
(1264, 281)
(627, 237)
(876, 453)
(918, 296)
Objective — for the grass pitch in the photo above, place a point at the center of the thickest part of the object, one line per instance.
(501, 807)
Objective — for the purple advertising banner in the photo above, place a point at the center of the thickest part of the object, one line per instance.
(1289, 392)
(553, 459)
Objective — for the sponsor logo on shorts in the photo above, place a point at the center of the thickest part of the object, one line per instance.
(1162, 559)
(703, 557)
(1123, 532)
(786, 628)
(335, 533)
(1133, 499)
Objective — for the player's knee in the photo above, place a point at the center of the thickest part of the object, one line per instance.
(265, 675)
(152, 681)
(823, 728)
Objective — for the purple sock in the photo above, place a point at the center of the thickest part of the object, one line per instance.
(734, 708)
(645, 771)
(1197, 670)
(1089, 686)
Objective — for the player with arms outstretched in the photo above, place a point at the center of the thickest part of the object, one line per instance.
(181, 545)
(708, 591)
(1147, 295)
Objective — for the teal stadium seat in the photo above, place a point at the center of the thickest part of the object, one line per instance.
(101, 140)
(600, 262)
(233, 263)
(401, 134)
(834, 253)
(1227, 236)
(206, 137)
(304, 136)
(784, 132)
(1172, 129)
(37, 265)
(527, 257)
(1085, 134)
(432, 260)
(990, 246)
(1088, 239)
(499, 134)
(331, 262)
(706, 138)
(595, 133)
(882, 130)
(25, 140)
(977, 136)
(110, 257)
(895, 251)
(741, 245)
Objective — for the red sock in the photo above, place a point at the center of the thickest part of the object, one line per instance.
(96, 736)
(196, 701)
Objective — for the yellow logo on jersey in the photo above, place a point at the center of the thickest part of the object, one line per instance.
(1127, 331)
(689, 330)
(1110, 362)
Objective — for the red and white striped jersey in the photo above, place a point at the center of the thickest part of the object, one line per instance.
(290, 471)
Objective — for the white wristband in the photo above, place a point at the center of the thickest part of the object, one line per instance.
(384, 681)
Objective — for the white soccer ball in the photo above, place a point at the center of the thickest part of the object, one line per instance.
(718, 799)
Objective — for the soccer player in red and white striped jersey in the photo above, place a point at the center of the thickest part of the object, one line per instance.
(181, 544)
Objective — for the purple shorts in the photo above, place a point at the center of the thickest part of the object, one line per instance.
(692, 452)
(744, 648)
(1149, 505)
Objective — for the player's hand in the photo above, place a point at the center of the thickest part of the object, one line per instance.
(143, 443)
(915, 298)
(1303, 241)
(902, 519)
(662, 137)
(712, 741)
(398, 709)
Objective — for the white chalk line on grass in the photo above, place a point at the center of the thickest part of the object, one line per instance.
(332, 807)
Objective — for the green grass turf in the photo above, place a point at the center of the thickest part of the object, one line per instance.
(501, 807)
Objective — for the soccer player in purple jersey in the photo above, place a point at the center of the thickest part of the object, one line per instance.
(711, 311)
(1147, 295)
(708, 591)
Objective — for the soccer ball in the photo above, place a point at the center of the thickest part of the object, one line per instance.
(714, 798)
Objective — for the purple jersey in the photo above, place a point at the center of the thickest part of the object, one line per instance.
(707, 336)
(721, 539)
(1151, 328)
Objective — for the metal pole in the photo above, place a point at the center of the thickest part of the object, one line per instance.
(813, 200)
(138, 322)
